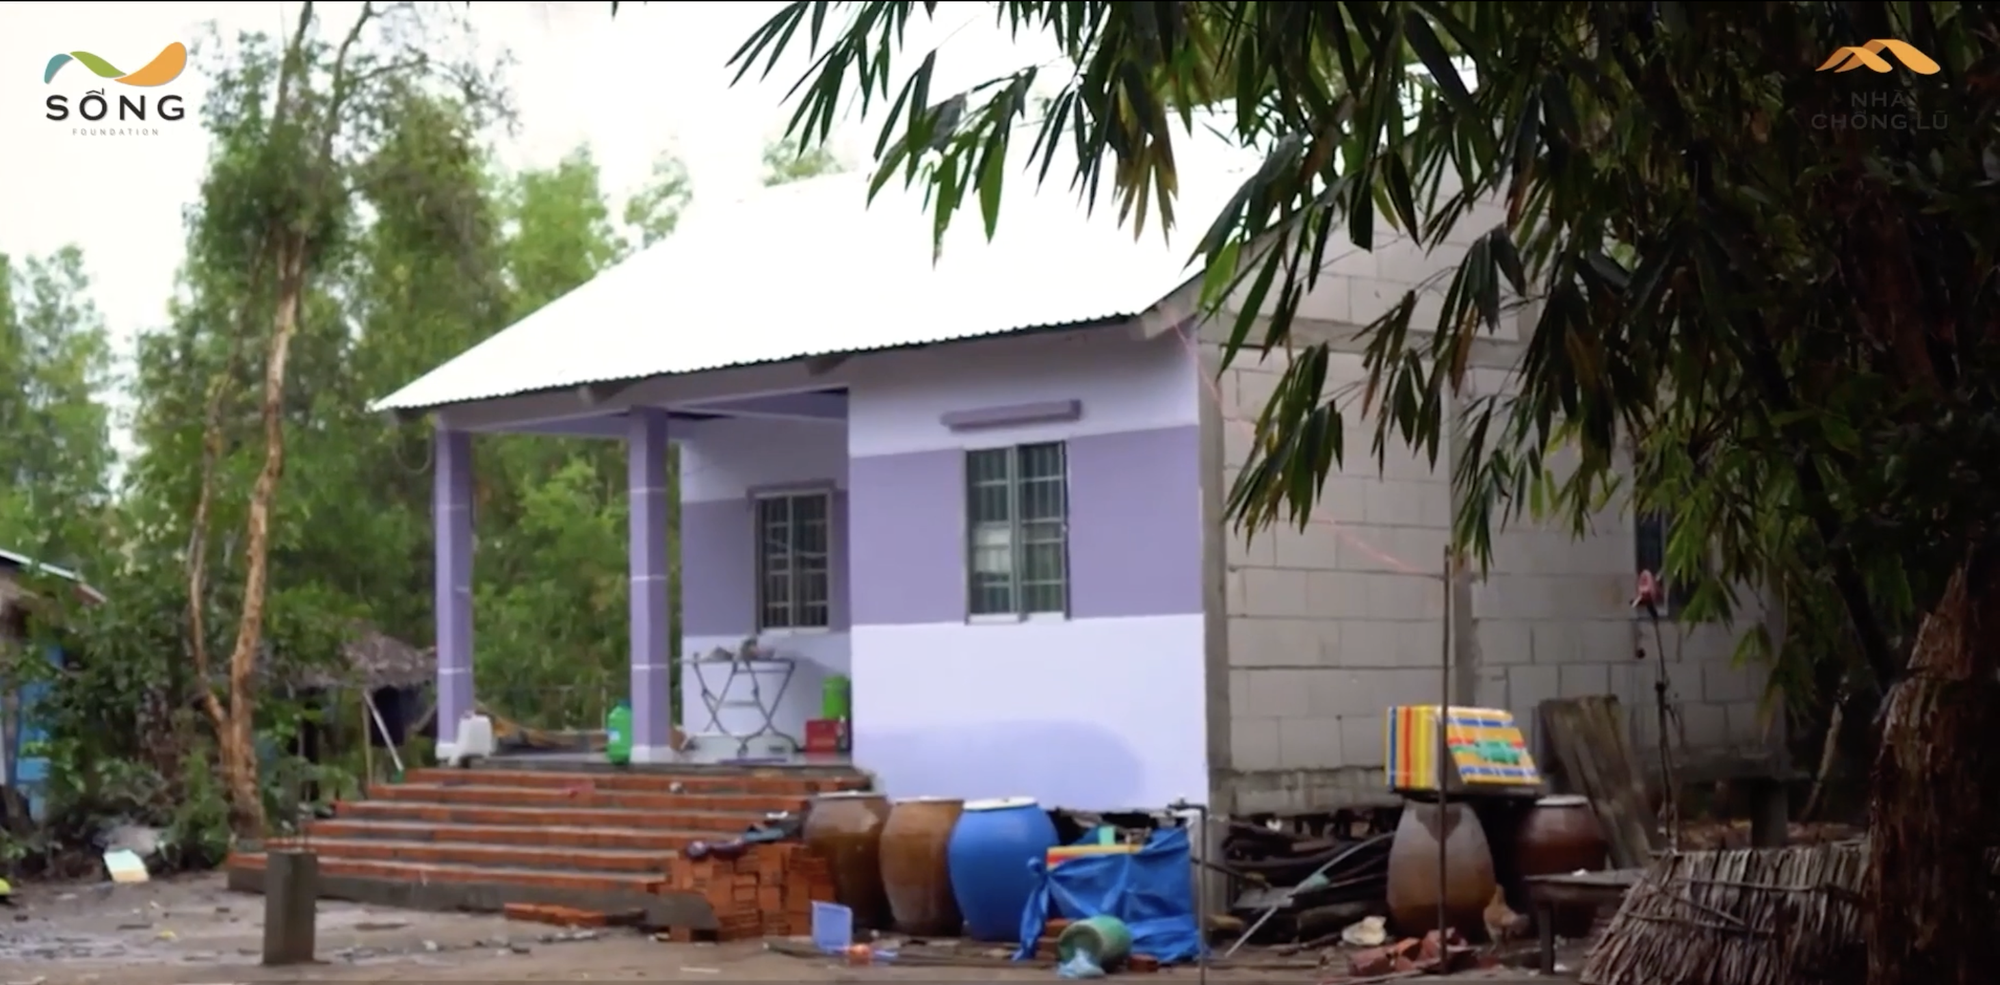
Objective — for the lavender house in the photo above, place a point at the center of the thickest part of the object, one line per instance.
(989, 490)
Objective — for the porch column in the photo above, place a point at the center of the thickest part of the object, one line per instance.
(646, 506)
(451, 519)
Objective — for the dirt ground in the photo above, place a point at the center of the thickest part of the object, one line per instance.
(193, 931)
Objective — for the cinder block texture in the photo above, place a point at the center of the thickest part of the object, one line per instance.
(1331, 622)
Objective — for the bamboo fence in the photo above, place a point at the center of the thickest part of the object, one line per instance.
(1781, 916)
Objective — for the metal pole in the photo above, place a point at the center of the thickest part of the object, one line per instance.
(1444, 748)
(1182, 807)
(368, 700)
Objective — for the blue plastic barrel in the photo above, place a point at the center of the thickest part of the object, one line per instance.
(989, 853)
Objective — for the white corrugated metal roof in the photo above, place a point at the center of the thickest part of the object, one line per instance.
(812, 269)
(28, 564)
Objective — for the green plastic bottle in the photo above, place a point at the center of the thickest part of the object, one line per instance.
(618, 734)
(835, 697)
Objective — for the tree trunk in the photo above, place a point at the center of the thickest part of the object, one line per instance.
(240, 748)
(1934, 790)
(245, 801)
(242, 789)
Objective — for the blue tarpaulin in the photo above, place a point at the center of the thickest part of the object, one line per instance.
(1151, 890)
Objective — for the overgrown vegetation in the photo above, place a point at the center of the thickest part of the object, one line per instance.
(353, 231)
(1739, 304)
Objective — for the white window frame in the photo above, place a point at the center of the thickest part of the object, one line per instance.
(760, 558)
(1016, 536)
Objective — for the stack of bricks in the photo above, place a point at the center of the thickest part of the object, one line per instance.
(768, 891)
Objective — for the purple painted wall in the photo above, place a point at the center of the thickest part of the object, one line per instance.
(907, 515)
(718, 567)
(1135, 523)
(1106, 709)
(1135, 529)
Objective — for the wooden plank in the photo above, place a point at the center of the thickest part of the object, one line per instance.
(1611, 719)
(1586, 736)
(1628, 780)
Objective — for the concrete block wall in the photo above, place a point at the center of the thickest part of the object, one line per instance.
(1552, 618)
(1330, 624)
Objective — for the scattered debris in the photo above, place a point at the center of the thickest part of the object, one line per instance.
(1306, 887)
(139, 839)
(1366, 932)
(125, 866)
(1431, 956)
(570, 916)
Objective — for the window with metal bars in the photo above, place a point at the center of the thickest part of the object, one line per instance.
(1651, 533)
(1017, 508)
(792, 560)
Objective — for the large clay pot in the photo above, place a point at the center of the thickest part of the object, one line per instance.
(1413, 870)
(990, 851)
(846, 829)
(916, 873)
(1558, 836)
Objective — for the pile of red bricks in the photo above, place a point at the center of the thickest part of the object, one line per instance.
(768, 891)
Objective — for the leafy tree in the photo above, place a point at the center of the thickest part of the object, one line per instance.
(1741, 303)
(786, 161)
(551, 583)
(57, 457)
(656, 209)
(418, 248)
(291, 122)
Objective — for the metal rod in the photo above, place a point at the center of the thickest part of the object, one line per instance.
(1670, 795)
(376, 713)
(1179, 807)
(1444, 748)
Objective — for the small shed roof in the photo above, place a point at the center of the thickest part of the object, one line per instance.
(11, 561)
(368, 658)
(812, 269)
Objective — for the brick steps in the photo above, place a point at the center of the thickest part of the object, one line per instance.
(581, 836)
(494, 815)
(736, 782)
(584, 794)
(490, 856)
(585, 836)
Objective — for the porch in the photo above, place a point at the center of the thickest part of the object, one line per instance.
(761, 545)
(972, 482)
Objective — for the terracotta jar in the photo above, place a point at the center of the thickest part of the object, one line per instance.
(846, 829)
(1558, 836)
(1413, 870)
(915, 874)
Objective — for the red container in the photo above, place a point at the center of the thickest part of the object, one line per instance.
(826, 735)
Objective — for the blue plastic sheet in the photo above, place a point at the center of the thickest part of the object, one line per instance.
(1152, 890)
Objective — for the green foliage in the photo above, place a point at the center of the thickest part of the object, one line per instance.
(1668, 184)
(57, 456)
(550, 585)
(785, 161)
(422, 249)
(656, 209)
(1731, 302)
(119, 727)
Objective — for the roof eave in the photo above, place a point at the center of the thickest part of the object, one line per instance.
(404, 411)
